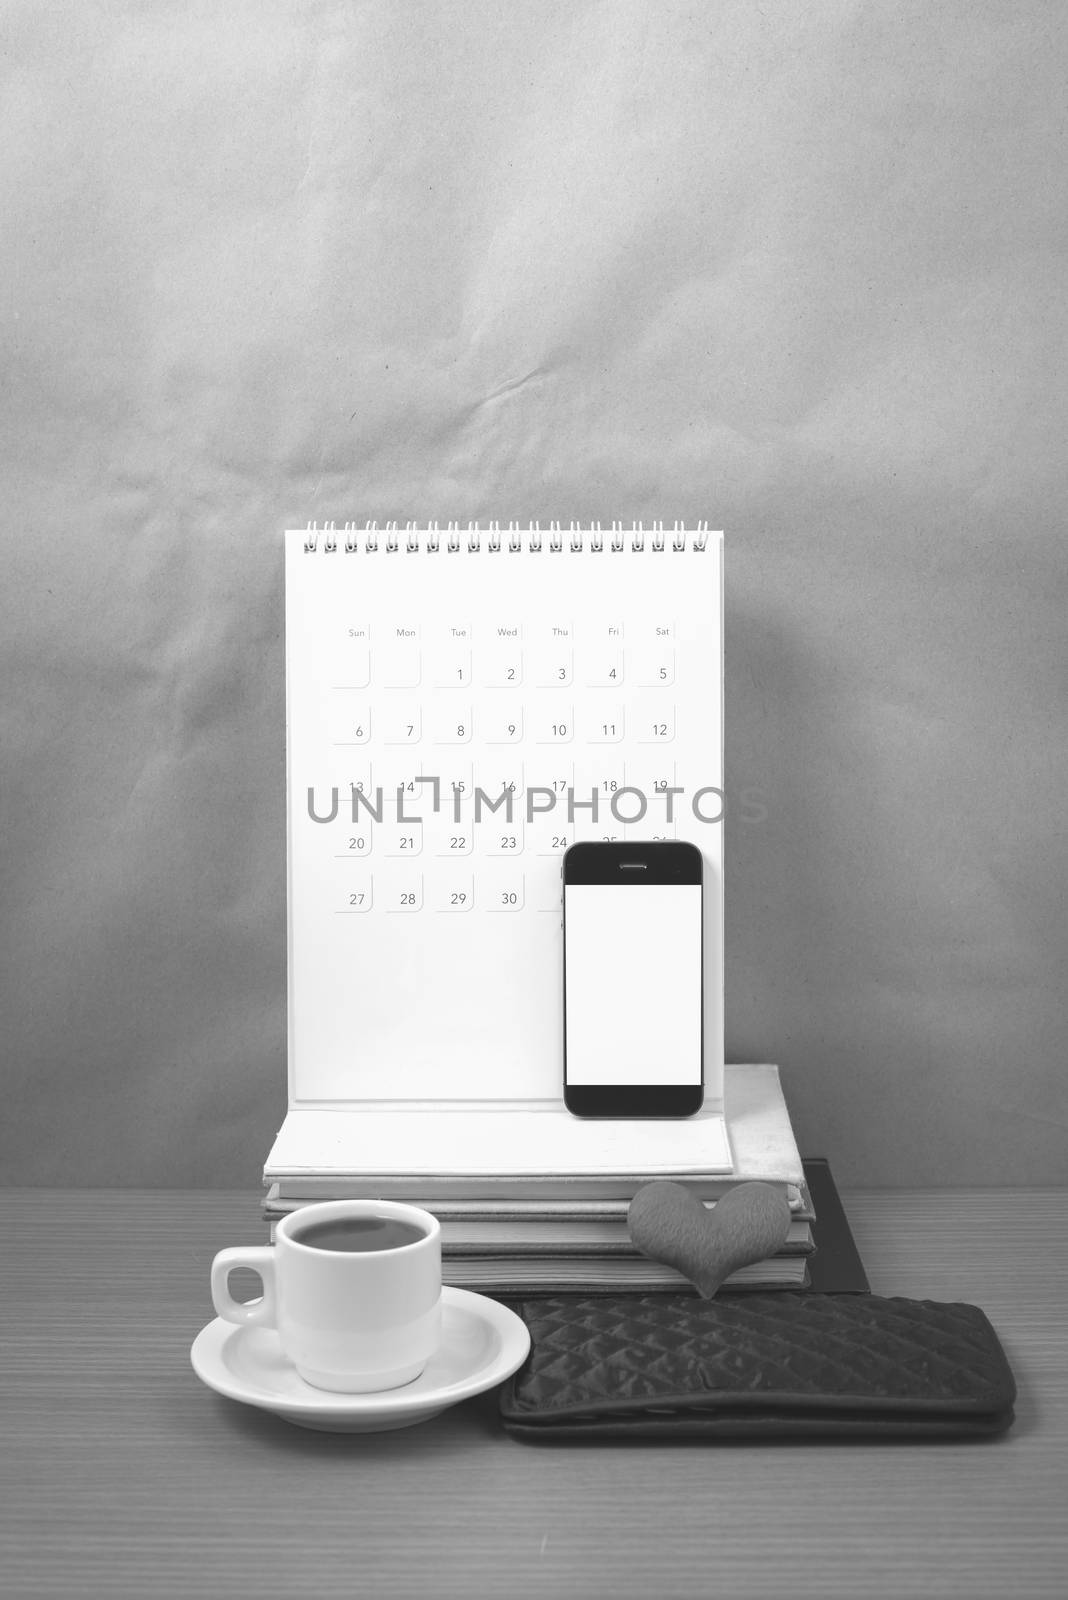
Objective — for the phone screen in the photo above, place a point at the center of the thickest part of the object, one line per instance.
(632, 984)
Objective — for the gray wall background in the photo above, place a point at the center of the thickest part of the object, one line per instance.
(795, 269)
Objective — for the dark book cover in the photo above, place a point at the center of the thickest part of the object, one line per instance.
(835, 1267)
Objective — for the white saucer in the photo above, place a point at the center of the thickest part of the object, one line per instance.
(482, 1343)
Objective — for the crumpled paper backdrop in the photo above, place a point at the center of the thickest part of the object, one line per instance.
(796, 270)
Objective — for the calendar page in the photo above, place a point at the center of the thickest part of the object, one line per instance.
(462, 706)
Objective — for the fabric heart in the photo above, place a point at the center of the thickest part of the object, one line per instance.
(670, 1224)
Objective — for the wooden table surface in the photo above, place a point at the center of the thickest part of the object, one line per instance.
(120, 1475)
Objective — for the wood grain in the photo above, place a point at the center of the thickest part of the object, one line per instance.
(122, 1476)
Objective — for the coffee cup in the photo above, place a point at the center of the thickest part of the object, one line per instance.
(353, 1288)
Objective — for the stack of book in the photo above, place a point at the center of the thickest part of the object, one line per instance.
(551, 1231)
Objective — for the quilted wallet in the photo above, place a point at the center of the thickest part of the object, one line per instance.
(757, 1366)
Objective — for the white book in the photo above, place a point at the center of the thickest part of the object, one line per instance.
(565, 1235)
(543, 1208)
(427, 668)
(558, 1274)
(313, 1157)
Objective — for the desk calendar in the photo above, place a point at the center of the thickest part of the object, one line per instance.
(463, 704)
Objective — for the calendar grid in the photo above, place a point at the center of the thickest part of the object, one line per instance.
(465, 701)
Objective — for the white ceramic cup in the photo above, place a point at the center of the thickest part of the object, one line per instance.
(350, 1321)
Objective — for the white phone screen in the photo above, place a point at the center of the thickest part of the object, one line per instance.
(632, 984)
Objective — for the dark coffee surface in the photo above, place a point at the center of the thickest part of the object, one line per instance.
(359, 1235)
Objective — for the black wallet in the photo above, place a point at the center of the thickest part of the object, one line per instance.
(757, 1366)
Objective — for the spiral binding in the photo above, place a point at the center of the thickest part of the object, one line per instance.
(512, 537)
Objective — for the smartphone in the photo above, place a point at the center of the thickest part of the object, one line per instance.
(633, 989)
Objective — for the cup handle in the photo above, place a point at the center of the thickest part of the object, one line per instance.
(261, 1260)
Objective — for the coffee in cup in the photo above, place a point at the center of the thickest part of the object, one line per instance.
(353, 1288)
